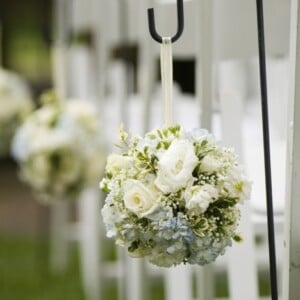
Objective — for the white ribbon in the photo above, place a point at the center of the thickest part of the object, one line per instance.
(166, 69)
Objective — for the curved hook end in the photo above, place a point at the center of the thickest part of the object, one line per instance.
(180, 20)
(152, 29)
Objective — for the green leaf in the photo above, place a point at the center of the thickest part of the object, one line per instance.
(151, 136)
(166, 145)
(140, 156)
(104, 188)
(134, 245)
(204, 143)
(144, 222)
(202, 224)
(238, 238)
(153, 159)
(160, 134)
(159, 145)
(225, 203)
(143, 165)
(165, 132)
(146, 150)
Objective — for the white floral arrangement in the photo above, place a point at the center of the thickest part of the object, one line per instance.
(173, 196)
(16, 104)
(60, 149)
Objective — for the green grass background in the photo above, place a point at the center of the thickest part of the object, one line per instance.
(25, 274)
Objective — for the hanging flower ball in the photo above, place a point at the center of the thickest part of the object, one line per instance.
(60, 149)
(15, 103)
(173, 196)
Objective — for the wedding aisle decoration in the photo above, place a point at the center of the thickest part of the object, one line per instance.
(15, 103)
(173, 196)
(60, 148)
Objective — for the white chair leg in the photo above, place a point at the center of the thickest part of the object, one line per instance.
(122, 266)
(205, 282)
(58, 238)
(242, 270)
(136, 283)
(241, 258)
(89, 240)
(132, 282)
(178, 283)
(204, 91)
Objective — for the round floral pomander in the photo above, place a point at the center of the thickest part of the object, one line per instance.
(60, 149)
(173, 196)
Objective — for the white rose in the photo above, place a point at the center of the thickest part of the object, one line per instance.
(175, 166)
(115, 163)
(199, 197)
(139, 198)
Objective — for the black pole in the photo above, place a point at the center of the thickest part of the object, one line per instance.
(266, 140)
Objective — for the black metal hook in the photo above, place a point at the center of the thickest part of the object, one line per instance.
(180, 20)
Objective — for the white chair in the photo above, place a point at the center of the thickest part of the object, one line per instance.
(232, 45)
(291, 287)
(89, 205)
(212, 29)
(77, 82)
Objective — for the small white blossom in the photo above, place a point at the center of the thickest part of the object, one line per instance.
(237, 183)
(210, 164)
(198, 198)
(116, 163)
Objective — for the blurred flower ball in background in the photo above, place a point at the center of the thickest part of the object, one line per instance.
(60, 148)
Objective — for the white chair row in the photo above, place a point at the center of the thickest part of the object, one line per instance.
(216, 39)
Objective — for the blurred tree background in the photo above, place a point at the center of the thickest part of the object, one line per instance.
(26, 29)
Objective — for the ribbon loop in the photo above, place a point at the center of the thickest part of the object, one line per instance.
(167, 79)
